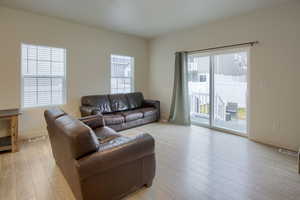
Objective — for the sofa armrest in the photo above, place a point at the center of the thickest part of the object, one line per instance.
(153, 103)
(93, 121)
(89, 110)
(118, 151)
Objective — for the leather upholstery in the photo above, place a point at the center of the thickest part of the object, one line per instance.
(153, 103)
(105, 134)
(111, 119)
(61, 150)
(97, 162)
(81, 137)
(148, 111)
(124, 150)
(135, 100)
(93, 121)
(119, 102)
(98, 102)
(88, 110)
(54, 114)
(138, 122)
(132, 115)
(127, 110)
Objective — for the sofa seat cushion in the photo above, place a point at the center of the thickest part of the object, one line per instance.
(112, 119)
(148, 111)
(105, 134)
(132, 115)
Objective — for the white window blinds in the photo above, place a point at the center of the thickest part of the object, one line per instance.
(122, 74)
(43, 75)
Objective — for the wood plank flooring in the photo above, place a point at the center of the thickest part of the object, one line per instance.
(193, 163)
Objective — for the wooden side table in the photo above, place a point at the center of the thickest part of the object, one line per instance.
(10, 142)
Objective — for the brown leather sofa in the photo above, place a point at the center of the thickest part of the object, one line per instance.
(121, 111)
(97, 162)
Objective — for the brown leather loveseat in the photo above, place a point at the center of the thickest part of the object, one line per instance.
(121, 111)
(97, 162)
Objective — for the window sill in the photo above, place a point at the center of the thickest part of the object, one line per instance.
(42, 107)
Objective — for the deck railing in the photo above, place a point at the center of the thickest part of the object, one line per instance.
(220, 108)
(199, 105)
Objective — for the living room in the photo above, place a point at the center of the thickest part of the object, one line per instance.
(212, 83)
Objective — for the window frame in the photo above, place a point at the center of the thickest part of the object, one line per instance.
(64, 78)
(132, 87)
(212, 54)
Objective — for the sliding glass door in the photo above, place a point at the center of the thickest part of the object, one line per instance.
(199, 78)
(230, 91)
(218, 89)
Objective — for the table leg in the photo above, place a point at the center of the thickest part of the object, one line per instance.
(14, 133)
(17, 133)
(299, 162)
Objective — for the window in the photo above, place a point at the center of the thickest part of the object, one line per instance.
(43, 75)
(121, 74)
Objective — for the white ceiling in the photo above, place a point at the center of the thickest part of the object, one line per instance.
(146, 18)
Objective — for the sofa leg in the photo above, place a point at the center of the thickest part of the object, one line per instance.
(149, 184)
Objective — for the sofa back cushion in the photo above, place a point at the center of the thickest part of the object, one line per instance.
(100, 101)
(118, 102)
(69, 136)
(52, 115)
(135, 100)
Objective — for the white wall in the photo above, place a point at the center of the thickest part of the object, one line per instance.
(274, 64)
(274, 74)
(88, 51)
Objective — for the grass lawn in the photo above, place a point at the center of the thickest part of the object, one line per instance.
(242, 113)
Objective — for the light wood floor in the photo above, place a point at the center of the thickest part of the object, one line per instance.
(192, 163)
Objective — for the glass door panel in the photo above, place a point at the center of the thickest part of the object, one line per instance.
(199, 87)
(230, 91)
